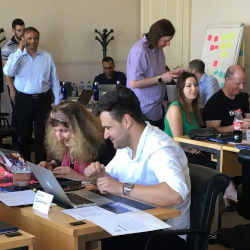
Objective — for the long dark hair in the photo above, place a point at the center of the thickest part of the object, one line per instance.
(159, 29)
(181, 98)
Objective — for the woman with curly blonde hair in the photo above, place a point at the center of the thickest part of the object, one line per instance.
(74, 137)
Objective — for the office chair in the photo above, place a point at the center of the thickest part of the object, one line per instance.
(206, 184)
(6, 130)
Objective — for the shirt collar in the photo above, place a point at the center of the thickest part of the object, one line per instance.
(141, 142)
(14, 40)
(38, 52)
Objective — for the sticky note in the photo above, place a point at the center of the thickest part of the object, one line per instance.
(229, 45)
(231, 35)
(224, 37)
(216, 47)
(221, 84)
(215, 63)
(216, 39)
(211, 47)
(209, 37)
(223, 45)
(223, 54)
(215, 72)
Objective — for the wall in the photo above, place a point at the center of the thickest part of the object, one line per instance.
(67, 31)
(219, 12)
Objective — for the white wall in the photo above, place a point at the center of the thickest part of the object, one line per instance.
(67, 31)
(219, 12)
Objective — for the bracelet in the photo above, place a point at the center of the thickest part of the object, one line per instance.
(159, 79)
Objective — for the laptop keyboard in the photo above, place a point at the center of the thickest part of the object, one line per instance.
(77, 199)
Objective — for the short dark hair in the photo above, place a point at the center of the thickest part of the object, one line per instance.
(198, 65)
(108, 59)
(120, 102)
(31, 29)
(16, 22)
(159, 29)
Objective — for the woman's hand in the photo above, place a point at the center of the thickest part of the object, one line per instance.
(48, 164)
(66, 172)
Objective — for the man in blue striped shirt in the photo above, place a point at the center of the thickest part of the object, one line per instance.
(35, 81)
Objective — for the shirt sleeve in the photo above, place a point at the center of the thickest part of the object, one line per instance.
(54, 83)
(211, 89)
(171, 168)
(13, 63)
(137, 65)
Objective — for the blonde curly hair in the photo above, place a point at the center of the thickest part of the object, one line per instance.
(87, 133)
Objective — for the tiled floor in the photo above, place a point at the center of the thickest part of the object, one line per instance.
(229, 219)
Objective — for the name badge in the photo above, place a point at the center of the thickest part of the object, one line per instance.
(42, 202)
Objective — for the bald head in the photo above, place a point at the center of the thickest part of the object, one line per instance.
(235, 80)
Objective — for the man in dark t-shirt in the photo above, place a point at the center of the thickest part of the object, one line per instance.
(109, 75)
(220, 109)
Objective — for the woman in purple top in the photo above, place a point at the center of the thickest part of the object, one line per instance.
(146, 73)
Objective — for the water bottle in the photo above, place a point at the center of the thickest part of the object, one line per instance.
(74, 90)
(238, 126)
(118, 84)
(81, 87)
(96, 92)
(64, 91)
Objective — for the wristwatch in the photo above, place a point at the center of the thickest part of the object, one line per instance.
(127, 187)
(159, 79)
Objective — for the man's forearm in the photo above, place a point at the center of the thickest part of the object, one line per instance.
(160, 194)
(144, 83)
(223, 129)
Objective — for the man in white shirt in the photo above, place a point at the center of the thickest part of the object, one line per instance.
(148, 165)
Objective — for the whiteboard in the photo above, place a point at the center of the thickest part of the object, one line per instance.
(222, 46)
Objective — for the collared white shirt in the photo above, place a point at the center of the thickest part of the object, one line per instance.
(158, 159)
(33, 75)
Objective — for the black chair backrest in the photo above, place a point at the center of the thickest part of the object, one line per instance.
(206, 184)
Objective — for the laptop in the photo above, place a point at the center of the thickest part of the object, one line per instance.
(74, 199)
(104, 88)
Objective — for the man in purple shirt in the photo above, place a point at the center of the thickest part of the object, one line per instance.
(146, 72)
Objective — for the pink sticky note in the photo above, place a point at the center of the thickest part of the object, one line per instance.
(211, 47)
(216, 38)
(209, 38)
(216, 47)
(215, 63)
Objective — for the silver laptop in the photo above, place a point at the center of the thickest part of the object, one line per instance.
(104, 88)
(74, 199)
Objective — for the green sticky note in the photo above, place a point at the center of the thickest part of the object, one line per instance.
(223, 45)
(224, 37)
(229, 45)
(231, 35)
(223, 54)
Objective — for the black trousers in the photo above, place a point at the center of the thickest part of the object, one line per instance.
(31, 111)
(138, 242)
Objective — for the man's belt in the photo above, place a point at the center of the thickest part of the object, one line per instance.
(34, 96)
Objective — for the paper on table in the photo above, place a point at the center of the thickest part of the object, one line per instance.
(83, 213)
(118, 224)
(128, 223)
(18, 198)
